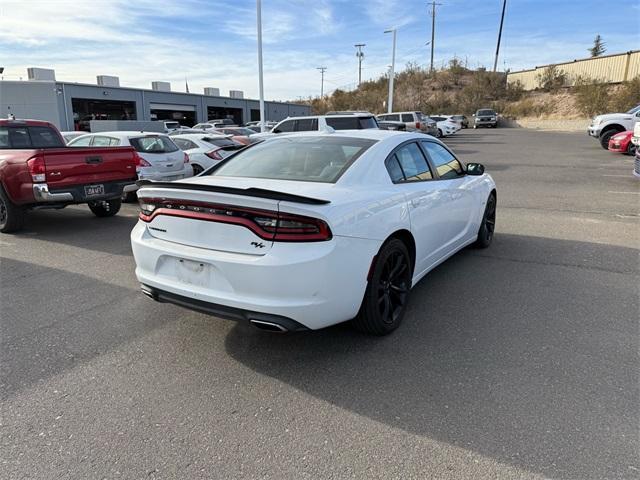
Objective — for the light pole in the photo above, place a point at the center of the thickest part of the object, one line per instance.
(391, 72)
(260, 79)
(360, 55)
(322, 70)
(495, 63)
(433, 30)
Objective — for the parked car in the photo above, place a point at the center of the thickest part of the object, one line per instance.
(621, 143)
(205, 150)
(603, 127)
(273, 236)
(485, 117)
(461, 119)
(223, 121)
(203, 126)
(240, 134)
(256, 126)
(389, 125)
(171, 125)
(446, 127)
(414, 121)
(68, 136)
(161, 159)
(211, 131)
(37, 170)
(348, 121)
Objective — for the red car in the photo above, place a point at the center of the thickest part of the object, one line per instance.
(621, 143)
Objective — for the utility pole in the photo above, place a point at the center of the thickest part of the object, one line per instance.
(391, 72)
(322, 70)
(433, 29)
(360, 55)
(495, 63)
(260, 79)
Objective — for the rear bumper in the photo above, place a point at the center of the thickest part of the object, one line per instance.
(482, 123)
(314, 284)
(150, 173)
(76, 193)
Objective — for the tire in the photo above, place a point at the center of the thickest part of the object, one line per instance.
(105, 208)
(197, 169)
(488, 225)
(385, 299)
(606, 136)
(440, 133)
(11, 216)
(631, 149)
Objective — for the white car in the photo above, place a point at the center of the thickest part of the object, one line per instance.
(68, 136)
(306, 231)
(315, 123)
(160, 158)
(205, 150)
(603, 127)
(446, 127)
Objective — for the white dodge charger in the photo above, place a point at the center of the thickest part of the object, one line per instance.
(302, 232)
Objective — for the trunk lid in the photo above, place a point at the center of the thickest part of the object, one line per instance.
(217, 220)
(81, 166)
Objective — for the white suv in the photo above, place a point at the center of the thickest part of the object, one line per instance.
(346, 121)
(604, 127)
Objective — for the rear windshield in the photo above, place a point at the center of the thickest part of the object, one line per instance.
(486, 112)
(351, 123)
(307, 159)
(29, 137)
(220, 142)
(171, 124)
(153, 144)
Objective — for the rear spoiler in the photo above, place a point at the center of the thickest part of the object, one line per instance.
(248, 192)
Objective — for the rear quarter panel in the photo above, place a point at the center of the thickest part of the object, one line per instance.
(14, 175)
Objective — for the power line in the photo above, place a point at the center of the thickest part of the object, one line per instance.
(322, 70)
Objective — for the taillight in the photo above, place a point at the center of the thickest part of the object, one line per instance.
(214, 154)
(268, 225)
(418, 125)
(140, 162)
(186, 158)
(37, 169)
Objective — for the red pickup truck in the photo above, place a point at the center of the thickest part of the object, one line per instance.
(37, 170)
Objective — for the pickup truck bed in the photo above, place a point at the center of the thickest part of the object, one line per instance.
(38, 171)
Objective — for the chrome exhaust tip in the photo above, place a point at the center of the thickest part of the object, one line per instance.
(268, 326)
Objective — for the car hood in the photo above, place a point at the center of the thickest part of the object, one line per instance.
(613, 116)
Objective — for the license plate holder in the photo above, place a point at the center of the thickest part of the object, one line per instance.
(192, 273)
(94, 190)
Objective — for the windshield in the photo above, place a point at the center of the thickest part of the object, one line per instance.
(153, 144)
(306, 159)
(486, 112)
(634, 109)
(171, 124)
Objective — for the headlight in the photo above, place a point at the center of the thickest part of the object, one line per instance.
(597, 121)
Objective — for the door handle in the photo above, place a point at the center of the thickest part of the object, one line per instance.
(93, 160)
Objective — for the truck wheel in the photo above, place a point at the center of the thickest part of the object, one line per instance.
(105, 208)
(606, 136)
(11, 216)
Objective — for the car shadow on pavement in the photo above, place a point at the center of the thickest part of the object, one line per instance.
(525, 353)
(77, 227)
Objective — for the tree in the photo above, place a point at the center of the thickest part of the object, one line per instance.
(551, 79)
(598, 47)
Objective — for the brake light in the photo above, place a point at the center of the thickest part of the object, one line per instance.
(266, 224)
(186, 158)
(418, 125)
(214, 154)
(37, 169)
(140, 162)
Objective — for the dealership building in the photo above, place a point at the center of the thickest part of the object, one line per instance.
(70, 106)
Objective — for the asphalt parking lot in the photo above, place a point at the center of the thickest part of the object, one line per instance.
(520, 361)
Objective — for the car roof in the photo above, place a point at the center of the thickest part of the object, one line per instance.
(129, 133)
(200, 136)
(365, 133)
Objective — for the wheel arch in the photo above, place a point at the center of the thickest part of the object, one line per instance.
(406, 237)
(612, 126)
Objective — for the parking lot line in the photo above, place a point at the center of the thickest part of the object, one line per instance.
(625, 193)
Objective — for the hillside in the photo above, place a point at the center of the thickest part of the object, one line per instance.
(457, 89)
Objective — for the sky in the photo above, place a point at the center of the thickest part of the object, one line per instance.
(212, 43)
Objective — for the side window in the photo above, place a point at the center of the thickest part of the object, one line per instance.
(80, 142)
(393, 167)
(306, 125)
(184, 144)
(19, 138)
(407, 117)
(114, 142)
(44, 137)
(382, 118)
(446, 164)
(4, 137)
(413, 164)
(285, 127)
(393, 118)
(100, 141)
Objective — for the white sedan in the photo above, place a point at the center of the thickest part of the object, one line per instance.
(306, 231)
(205, 150)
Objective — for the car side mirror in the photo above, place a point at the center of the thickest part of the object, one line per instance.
(276, 130)
(475, 169)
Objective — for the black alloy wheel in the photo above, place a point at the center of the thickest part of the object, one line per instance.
(488, 225)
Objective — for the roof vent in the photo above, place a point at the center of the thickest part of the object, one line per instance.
(41, 74)
(236, 93)
(108, 81)
(161, 86)
(212, 92)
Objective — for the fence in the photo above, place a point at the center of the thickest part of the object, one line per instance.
(607, 68)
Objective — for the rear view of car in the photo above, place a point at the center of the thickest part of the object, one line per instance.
(162, 160)
(204, 150)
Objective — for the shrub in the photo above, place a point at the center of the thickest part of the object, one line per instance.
(627, 97)
(551, 79)
(592, 96)
(527, 108)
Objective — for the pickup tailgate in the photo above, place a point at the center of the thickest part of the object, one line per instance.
(72, 166)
